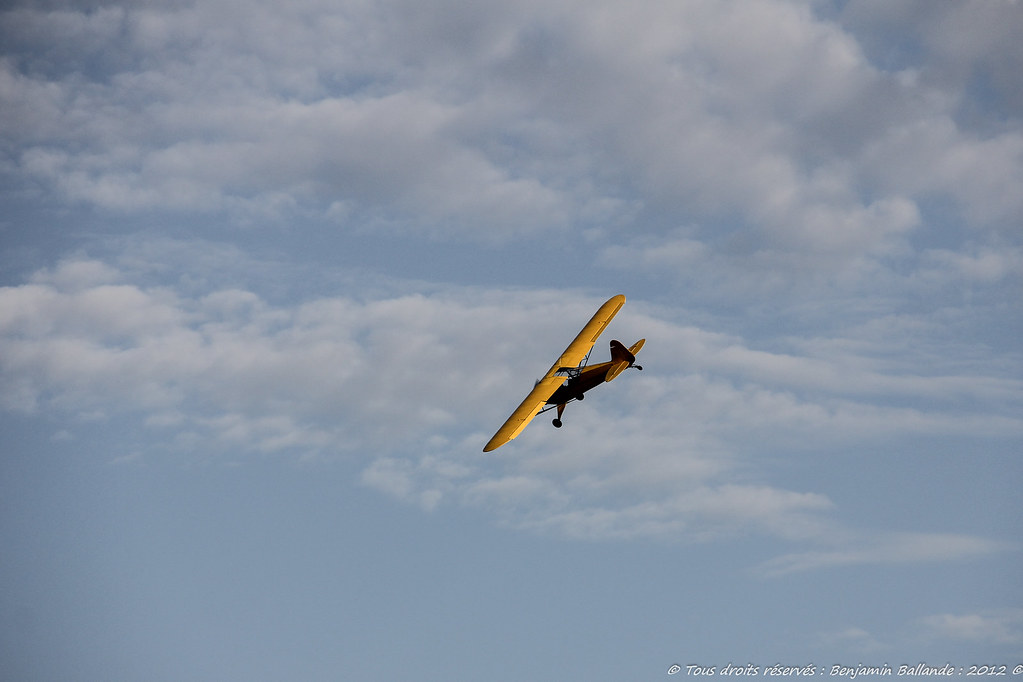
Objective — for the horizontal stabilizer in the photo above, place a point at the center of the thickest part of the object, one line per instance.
(615, 369)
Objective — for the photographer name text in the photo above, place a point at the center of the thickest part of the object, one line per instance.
(848, 672)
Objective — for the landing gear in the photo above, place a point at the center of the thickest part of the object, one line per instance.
(557, 420)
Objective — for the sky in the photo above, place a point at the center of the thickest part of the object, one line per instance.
(273, 273)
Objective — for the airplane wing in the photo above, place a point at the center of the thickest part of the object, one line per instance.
(525, 412)
(545, 388)
(581, 344)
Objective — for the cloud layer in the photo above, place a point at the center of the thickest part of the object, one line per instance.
(420, 380)
(273, 273)
(490, 121)
(839, 213)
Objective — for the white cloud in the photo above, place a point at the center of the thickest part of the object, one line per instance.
(954, 46)
(886, 548)
(997, 627)
(701, 513)
(933, 155)
(420, 380)
(984, 265)
(494, 121)
(853, 639)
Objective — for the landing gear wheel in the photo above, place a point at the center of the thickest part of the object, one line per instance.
(557, 423)
(580, 396)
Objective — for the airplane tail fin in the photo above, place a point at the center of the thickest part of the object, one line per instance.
(622, 358)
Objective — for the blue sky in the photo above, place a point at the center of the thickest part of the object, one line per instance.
(273, 273)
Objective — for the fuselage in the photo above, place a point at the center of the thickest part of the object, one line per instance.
(589, 377)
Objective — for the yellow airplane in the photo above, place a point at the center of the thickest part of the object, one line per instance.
(570, 377)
